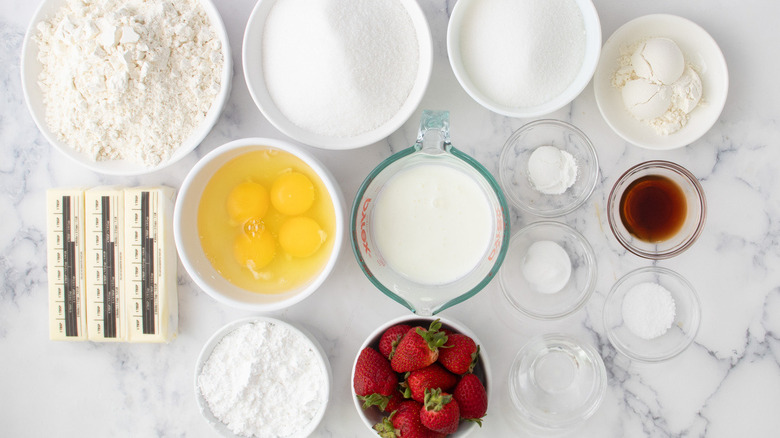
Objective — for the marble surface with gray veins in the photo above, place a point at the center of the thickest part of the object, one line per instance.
(726, 384)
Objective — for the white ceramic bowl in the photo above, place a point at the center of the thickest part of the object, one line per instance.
(699, 49)
(592, 51)
(188, 244)
(372, 416)
(255, 79)
(216, 338)
(31, 69)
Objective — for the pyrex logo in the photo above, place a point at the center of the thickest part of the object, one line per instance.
(499, 234)
(363, 233)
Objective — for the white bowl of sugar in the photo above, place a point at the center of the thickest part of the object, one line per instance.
(524, 58)
(337, 74)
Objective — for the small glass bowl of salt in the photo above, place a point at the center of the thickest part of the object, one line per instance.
(549, 271)
(548, 168)
(652, 314)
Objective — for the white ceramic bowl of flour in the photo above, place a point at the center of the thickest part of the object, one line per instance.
(269, 359)
(31, 69)
(524, 58)
(329, 82)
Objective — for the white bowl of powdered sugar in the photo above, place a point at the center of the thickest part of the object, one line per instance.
(126, 88)
(524, 58)
(337, 74)
(262, 377)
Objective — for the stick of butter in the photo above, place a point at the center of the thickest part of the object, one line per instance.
(65, 252)
(150, 265)
(104, 258)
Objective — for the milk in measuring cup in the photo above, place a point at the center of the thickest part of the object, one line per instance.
(433, 223)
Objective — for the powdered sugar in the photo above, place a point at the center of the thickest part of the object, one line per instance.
(264, 380)
(128, 79)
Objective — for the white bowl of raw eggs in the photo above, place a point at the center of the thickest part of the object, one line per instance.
(259, 224)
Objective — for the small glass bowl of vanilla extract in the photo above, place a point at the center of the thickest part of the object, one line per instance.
(657, 209)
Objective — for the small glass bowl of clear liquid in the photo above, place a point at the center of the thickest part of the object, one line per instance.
(556, 382)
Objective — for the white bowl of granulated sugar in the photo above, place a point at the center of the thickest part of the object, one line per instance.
(337, 74)
(524, 58)
(126, 92)
(260, 376)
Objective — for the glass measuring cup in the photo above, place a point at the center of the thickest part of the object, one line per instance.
(433, 147)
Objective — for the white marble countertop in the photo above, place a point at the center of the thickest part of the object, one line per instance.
(726, 384)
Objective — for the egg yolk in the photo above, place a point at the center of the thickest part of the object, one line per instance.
(292, 193)
(247, 200)
(254, 252)
(301, 236)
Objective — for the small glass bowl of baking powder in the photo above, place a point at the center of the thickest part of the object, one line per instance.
(638, 304)
(542, 183)
(549, 271)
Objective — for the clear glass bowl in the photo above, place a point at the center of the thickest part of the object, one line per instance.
(524, 297)
(513, 167)
(557, 382)
(696, 211)
(432, 147)
(671, 343)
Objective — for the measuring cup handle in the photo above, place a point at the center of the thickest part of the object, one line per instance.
(434, 134)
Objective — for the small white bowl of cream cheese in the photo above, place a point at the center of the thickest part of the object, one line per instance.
(662, 82)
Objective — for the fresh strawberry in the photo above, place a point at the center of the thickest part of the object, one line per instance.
(459, 354)
(405, 423)
(430, 377)
(390, 338)
(472, 398)
(373, 374)
(385, 403)
(440, 412)
(418, 348)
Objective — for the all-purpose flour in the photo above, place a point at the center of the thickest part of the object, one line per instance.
(128, 79)
(263, 380)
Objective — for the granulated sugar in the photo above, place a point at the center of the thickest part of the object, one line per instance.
(264, 380)
(522, 53)
(648, 310)
(339, 67)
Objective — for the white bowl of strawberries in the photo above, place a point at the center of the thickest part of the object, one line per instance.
(421, 377)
